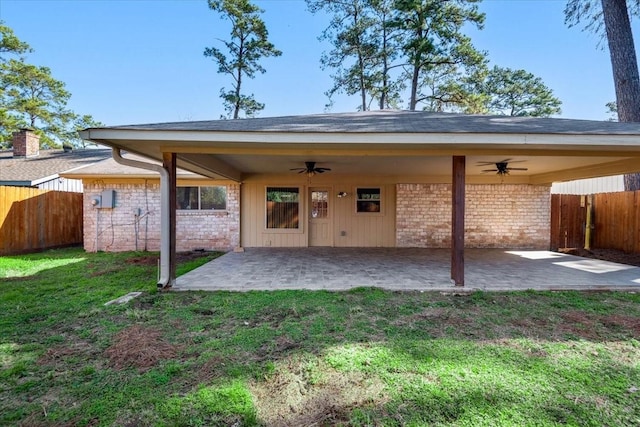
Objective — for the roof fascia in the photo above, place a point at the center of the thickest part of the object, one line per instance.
(111, 137)
(17, 183)
(399, 150)
(45, 179)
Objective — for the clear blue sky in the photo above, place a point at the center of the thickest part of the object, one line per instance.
(141, 61)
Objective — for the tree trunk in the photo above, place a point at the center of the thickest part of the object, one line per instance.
(625, 69)
(238, 105)
(385, 67)
(415, 78)
(623, 59)
(414, 87)
(363, 89)
(632, 182)
(361, 65)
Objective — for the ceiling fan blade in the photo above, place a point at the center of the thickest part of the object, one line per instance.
(297, 169)
(490, 170)
(303, 171)
(517, 169)
(322, 169)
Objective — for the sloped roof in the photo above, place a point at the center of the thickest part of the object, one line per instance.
(385, 142)
(399, 121)
(47, 165)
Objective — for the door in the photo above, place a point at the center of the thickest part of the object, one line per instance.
(320, 228)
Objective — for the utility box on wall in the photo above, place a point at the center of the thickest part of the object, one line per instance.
(108, 199)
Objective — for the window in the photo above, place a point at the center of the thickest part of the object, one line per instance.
(283, 207)
(368, 200)
(202, 198)
(320, 204)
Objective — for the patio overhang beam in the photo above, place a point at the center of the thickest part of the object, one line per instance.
(631, 165)
(210, 163)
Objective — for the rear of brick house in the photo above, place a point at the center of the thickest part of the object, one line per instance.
(405, 213)
(388, 180)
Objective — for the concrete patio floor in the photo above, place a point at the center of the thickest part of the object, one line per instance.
(405, 269)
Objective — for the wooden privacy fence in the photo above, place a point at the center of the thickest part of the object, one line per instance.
(32, 219)
(568, 217)
(615, 219)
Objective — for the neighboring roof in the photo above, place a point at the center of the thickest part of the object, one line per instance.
(400, 121)
(47, 165)
(109, 168)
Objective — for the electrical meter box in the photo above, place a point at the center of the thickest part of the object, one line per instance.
(108, 199)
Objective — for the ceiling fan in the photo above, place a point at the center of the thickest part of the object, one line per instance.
(502, 167)
(310, 169)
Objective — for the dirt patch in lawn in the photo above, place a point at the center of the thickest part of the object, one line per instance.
(152, 259)
(58, 355)
(596, 327)
(139, 347)
(297, 395)
(624, 322)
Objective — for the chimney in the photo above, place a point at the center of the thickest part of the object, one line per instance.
(26, 143)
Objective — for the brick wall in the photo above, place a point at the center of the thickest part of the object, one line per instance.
(496, 216)
(26, 143)
(119, 227)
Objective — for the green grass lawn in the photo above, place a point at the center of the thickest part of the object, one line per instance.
(294, 358)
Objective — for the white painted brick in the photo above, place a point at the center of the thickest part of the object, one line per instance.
(116, 230)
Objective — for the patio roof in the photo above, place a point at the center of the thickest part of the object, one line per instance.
(415, 143)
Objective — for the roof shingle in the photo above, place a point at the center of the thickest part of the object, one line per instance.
(398, 121)
(47, 163)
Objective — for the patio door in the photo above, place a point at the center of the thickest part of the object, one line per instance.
(320, 228)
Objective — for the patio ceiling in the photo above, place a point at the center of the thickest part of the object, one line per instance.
(388, 143)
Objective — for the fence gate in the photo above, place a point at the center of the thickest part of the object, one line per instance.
(568, 218)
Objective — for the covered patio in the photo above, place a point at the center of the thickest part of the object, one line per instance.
(405, 269)
(396, 179)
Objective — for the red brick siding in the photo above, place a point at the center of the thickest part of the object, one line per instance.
(26, 143)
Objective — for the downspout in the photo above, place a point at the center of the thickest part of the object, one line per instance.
(165, 278)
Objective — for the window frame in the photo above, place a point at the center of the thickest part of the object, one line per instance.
(199, 208)
(301, 210)
(379, 200)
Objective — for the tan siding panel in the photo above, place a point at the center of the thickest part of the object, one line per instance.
(361, 230)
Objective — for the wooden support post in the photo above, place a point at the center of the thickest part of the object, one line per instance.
(588, 222)
(457, 220)
(169, 163)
